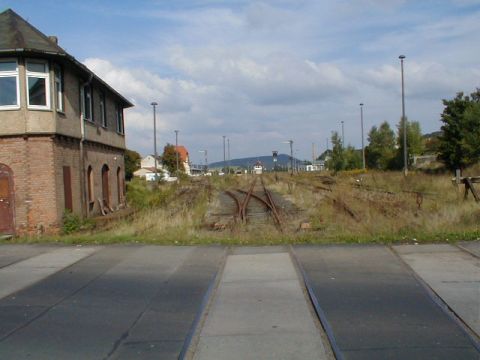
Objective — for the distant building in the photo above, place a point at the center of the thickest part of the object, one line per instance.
(184, 158)
(149, 162)
(258, 168)
(62, 133)
(317, 165)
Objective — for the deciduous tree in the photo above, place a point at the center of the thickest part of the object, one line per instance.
(459, 144)
(132, 163)
(381, 148)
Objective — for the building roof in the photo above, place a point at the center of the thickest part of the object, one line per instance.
(183, 153)
(19, 36)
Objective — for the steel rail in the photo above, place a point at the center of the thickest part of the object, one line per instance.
(237, 202)
(247, 200)
(272, 206)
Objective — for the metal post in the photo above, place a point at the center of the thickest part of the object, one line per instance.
(291, 154)
(224, 161)
(343, 135)
(404, 120)
(154, 104)
(228, 155)
(176, 148)
(363, 146)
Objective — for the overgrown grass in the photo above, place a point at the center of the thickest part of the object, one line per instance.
(373, 207)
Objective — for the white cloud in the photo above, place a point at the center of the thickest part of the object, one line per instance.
(263, 72)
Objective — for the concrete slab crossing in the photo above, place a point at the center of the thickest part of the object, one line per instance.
(259, 312)
(27, 272)
(141, 302)
(452, 273)
(132, 302)
(376, 307)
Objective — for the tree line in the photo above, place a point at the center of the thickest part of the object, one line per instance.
(457, 147)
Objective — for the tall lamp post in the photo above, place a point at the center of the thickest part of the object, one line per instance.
(224, 161)
(206, 161)
(404, 120)
(291, 154)
(176, 147)
(154, 104)
(363, 146)
(228, 155)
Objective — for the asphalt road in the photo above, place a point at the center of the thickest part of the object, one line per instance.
(122, 302)
(376, 307)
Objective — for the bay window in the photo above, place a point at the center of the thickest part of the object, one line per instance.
(9, 85)
(38, 84)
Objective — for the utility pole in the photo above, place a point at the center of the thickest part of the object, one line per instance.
(363, 147)
(154, 104)
(343, 135)
(404, 120)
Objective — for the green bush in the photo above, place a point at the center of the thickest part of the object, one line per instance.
(143, 195)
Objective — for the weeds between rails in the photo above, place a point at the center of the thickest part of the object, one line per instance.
(242, 205)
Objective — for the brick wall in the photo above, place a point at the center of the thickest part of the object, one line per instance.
(32, 164)
(37, 165)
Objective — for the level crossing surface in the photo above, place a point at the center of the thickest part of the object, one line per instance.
(376, 307)
(215, 302)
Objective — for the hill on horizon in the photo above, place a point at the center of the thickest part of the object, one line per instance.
(267, 161)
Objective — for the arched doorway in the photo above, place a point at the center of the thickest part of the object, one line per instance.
(7, 201)
(105, 186)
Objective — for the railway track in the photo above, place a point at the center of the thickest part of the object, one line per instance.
(255, 204)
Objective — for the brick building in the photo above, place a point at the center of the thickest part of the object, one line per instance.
(62, 136)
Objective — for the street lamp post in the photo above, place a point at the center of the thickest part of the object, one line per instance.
(363, 146)
(291, 154)
(404, 120)
(176, 148)
(206, 161)
(154, 104)
(228, 155)
(224, 161)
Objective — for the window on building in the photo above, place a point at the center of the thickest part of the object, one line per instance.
(9, 87)
(119, 119)
(119, 185)
(86, 102)
(38, 84)
(57, 70)
(90, 185)
(67, 188)
(103, 110)
(105, 186)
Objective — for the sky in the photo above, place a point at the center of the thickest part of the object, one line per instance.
(264, 72)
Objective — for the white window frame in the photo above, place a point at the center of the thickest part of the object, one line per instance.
(33, 74)
(58, 81)
(14, 73)
(82, 95)
(119, 118)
